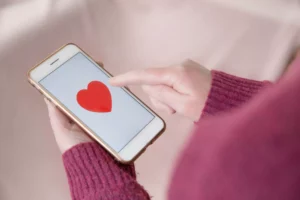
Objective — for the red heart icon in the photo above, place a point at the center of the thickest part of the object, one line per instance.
(96, 98)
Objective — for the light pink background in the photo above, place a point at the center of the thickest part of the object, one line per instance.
(247, 38)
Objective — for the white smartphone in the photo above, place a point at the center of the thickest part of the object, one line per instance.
(113, 116)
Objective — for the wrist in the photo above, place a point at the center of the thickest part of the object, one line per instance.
(67, 143)
(205, 85)
(227, 92)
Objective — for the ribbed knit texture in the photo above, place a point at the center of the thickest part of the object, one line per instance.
(94, 174)
(251, 153)
(228, 92)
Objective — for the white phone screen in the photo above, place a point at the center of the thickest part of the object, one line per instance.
(114, 115)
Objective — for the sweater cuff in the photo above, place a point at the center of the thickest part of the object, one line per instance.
(90, 167)
(228, 91)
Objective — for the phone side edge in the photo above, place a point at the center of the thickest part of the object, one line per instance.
(61, 108)
(146, 146)
(105, 146)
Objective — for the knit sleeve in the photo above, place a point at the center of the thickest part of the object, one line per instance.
(251, 153)
(94, 174)
(228, 91)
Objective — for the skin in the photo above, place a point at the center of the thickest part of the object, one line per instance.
(178, 89)
(181, 89)
(294, 56)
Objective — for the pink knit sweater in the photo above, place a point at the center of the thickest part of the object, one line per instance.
(246, 153)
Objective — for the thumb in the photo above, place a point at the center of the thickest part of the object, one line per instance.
(167, 95)
(58, 120)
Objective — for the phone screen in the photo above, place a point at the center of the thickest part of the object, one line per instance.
(83, 88)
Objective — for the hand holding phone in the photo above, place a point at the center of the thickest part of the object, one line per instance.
(67, 133)
(112, 116)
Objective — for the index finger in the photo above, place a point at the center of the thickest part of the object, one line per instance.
(150, 76)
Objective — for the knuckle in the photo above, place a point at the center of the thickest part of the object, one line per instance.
(184, 66)
(187, 62)
(182, 71)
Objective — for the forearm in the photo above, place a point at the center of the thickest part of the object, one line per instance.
(229, 92)
(94, 174)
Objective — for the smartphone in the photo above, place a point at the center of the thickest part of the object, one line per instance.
(113, 116)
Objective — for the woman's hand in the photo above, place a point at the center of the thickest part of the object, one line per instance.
(179, 89)
(66, 132)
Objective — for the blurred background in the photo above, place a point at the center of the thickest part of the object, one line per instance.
(248, 38)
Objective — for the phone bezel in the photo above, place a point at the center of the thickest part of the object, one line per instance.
(136, 146)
